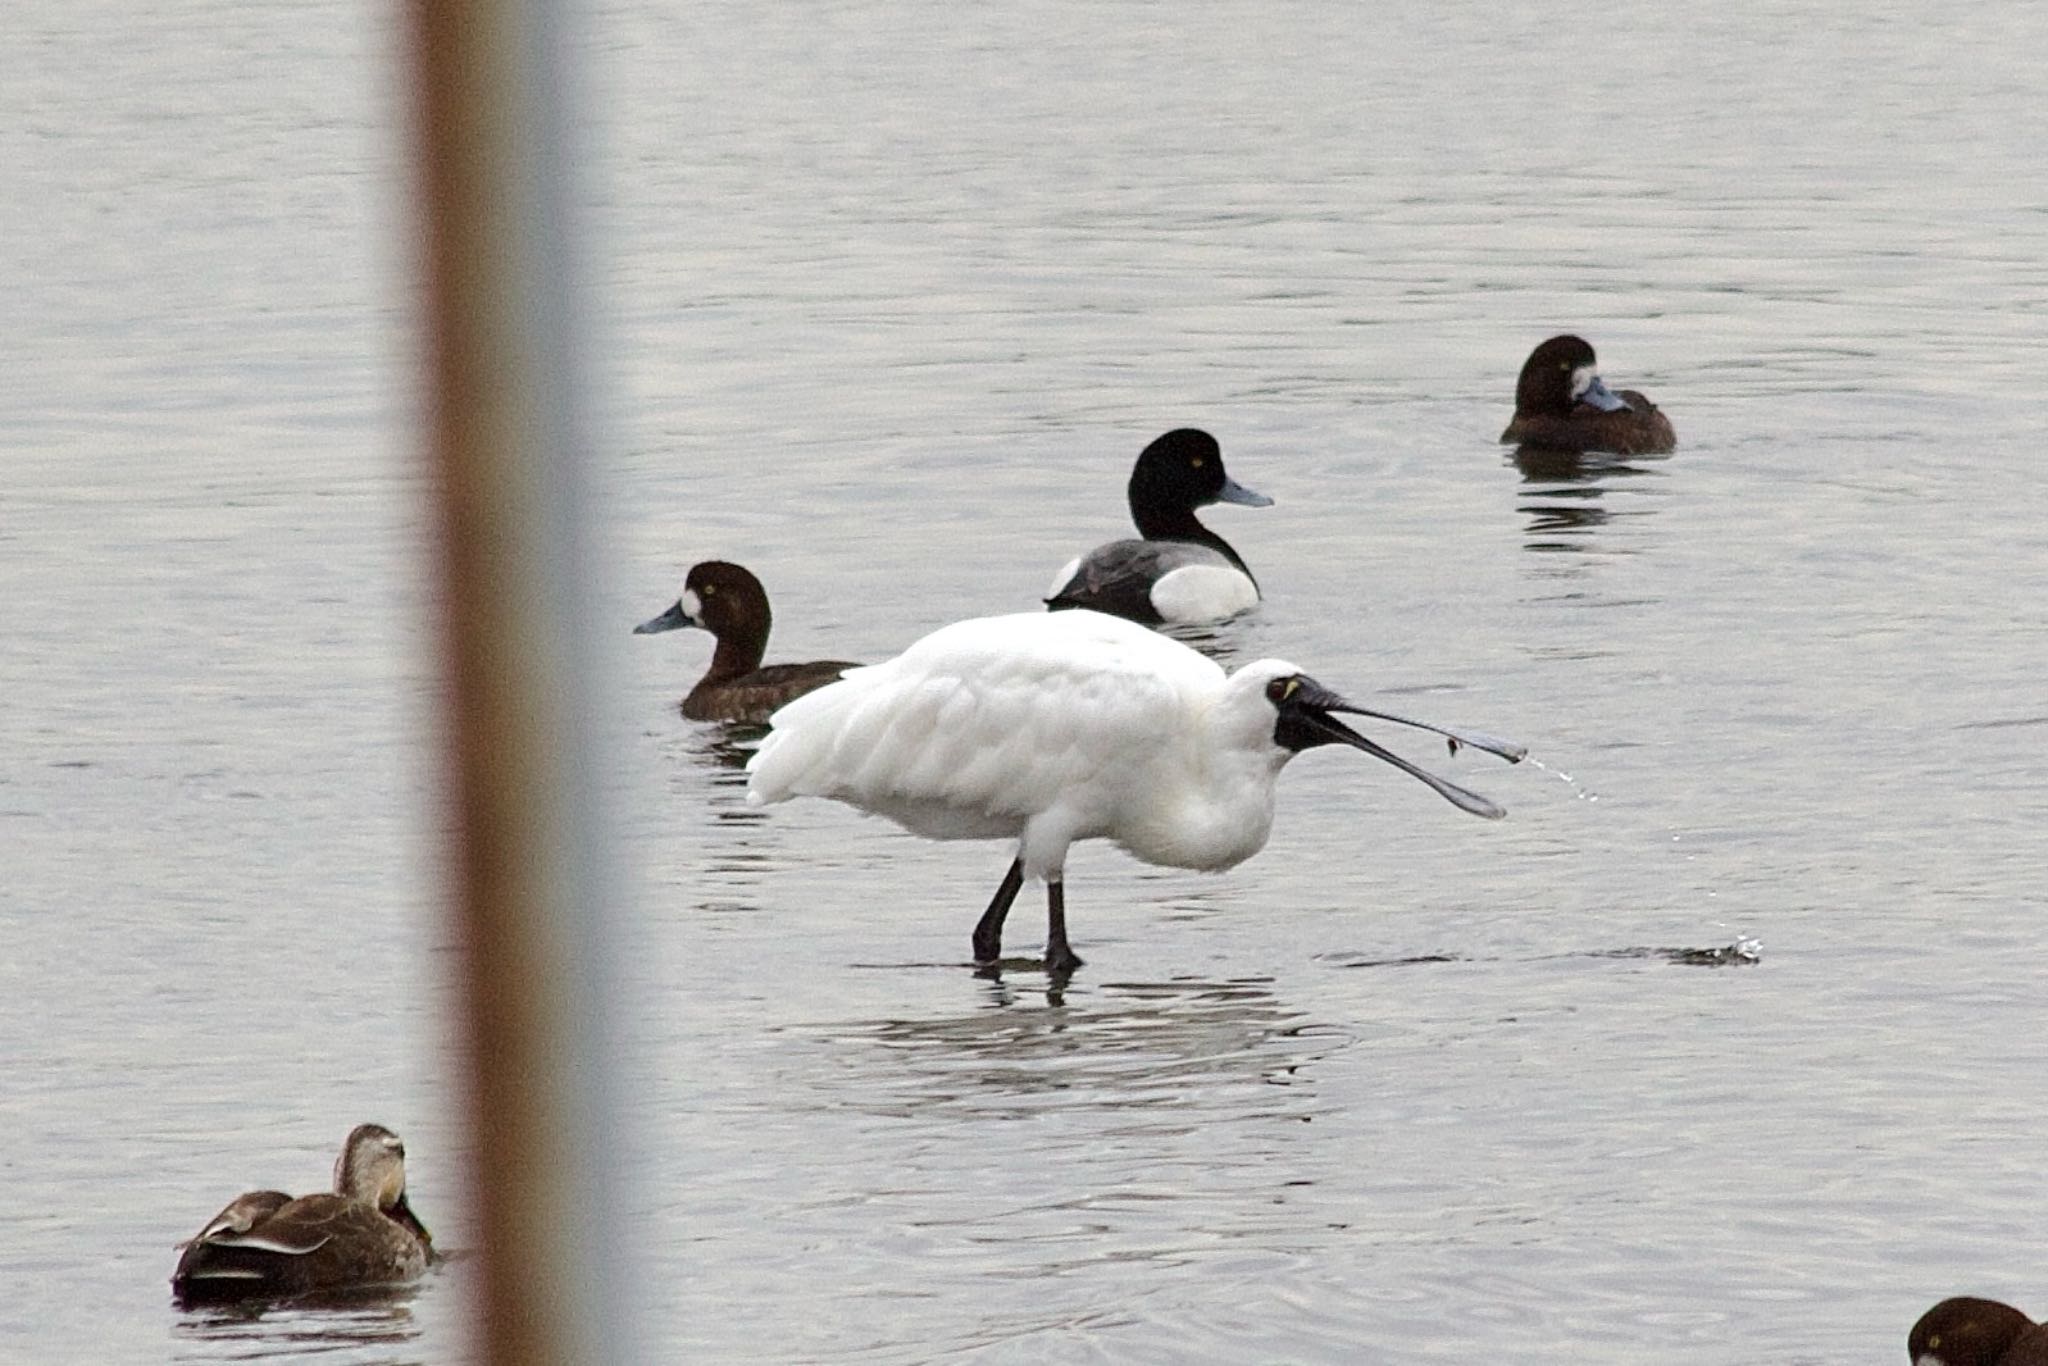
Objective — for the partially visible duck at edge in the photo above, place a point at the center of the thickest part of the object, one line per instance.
(1181, 572)
(730, 603)
(1965, 1331)
(266, 1245)
(1562, 405)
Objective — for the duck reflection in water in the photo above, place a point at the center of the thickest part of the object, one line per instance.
(1565, 494)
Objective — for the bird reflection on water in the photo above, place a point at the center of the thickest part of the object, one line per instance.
(1565, 494)
(1182, 1045)
(373, 1317)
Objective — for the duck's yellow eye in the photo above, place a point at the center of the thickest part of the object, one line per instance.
(1196, 462)
(707, 590)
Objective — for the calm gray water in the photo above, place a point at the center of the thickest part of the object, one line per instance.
(892, 295)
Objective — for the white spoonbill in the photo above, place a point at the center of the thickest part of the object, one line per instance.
(1051, 728)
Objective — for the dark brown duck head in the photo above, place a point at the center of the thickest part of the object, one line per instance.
(729, 602)
(1561, 374)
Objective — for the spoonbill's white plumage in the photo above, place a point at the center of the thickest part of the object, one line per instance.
(1181, 571)
(1047, 729)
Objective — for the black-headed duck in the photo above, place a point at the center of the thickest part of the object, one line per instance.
(1971, 1332)
(266, 1245)
(1181, 572)
(730, 603)
(1562, 405)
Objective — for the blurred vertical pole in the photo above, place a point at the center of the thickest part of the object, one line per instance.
(496, 193)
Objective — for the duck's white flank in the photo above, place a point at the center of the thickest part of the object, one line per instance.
(1198, 593)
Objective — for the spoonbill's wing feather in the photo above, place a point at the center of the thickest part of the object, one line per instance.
(1000, 716)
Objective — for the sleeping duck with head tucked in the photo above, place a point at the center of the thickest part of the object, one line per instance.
(266, 1245)
(1561, 404)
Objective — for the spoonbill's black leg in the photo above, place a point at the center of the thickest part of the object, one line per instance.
(988, 932)
(1060, 958)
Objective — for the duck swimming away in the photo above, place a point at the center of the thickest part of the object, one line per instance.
(1561, 404)
(1181, 572)
(1046, 729)
(730, 603)
(266, 1245)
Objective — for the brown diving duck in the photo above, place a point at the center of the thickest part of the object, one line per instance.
(266, 1245)
(1562, 405)
(730, 603)
(1971, 1332)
